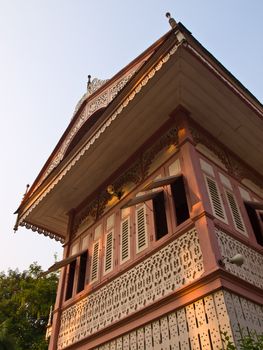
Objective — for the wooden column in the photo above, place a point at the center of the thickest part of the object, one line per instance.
(200, 211)
(61, 289)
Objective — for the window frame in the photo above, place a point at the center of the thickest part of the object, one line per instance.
(258, 212)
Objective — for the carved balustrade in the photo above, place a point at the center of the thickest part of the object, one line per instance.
(177, 264)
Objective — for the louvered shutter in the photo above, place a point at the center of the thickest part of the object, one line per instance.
(95, 262)
(141, 229)
(237, 218)
(109, 252)
(125, 241)
(215, 199)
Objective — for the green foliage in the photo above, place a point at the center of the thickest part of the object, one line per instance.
(25, 300)
(6, 341)
(248, 342)
(229, 345)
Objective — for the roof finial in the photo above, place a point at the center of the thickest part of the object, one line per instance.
(172, 21)
(89, 82)
(27, 188)
(17, 221)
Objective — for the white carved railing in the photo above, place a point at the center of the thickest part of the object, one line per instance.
(199, 324)
(175, 265)
(252, 269)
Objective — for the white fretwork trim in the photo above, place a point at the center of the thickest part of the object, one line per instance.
(246, 317)
(186, 328)
(252, 269)
(197, 326)
(92, 106)
(42, 231)
(177, 264)
(140, 85)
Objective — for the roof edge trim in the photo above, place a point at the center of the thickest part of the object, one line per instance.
(41, 231)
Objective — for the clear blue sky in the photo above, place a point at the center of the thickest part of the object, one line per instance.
(47, 50)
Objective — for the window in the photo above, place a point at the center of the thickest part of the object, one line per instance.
(215, 199)
(236, 216)
(125, 240)
(95, 262)
(82, 271)
(255, 214)
(180, 201)
(160, 221)
(109, 252)
(70, 282)
(157, 198)
(141, 229)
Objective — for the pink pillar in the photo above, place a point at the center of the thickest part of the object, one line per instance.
(60, 291)
(200, 211)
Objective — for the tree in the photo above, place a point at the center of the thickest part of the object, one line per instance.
(25, 300)
(6, 341)
(246, 342)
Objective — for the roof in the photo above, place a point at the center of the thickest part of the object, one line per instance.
(101, 112)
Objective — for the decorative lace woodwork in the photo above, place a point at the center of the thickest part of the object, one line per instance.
(42, 231)
(197, 326)
(174, 266)
(245, 316)
(96, 103)
(252, 269)
(95, 84)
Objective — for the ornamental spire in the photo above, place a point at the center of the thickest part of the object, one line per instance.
(89, 82)
(172, 21)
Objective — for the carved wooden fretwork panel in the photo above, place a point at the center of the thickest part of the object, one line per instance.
(134, 175)
(194, 327)
(174, 266)
(197, 326)
(95, 84)
(41, 231)
(234, 166)
(92, 106)
(252, 269)
(245, 316)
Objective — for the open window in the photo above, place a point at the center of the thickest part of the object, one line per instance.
(82, 271)
(71, 264)
(255, 214)
(70, 281)
(180, 200)
(178, 194)
(159, 213)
